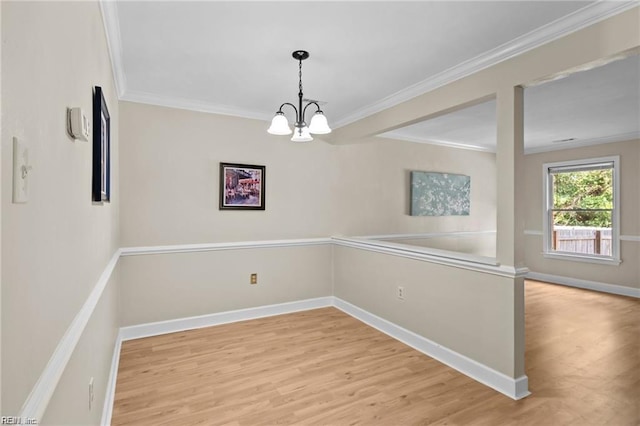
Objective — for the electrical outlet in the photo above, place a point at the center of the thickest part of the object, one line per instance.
(254, 279)
(400, 292)
(91, 394)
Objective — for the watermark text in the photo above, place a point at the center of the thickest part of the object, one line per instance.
(14, 420)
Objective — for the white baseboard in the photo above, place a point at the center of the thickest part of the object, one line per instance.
(191, 323)
(513, 388)
(110, 393)
(589, 285)
(40, 395)
(182, 324)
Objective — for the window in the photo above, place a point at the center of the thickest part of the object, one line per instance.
(581, 215)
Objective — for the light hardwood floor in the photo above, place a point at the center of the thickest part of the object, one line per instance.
(325, 367)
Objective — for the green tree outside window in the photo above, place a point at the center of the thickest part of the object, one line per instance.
(583, 198)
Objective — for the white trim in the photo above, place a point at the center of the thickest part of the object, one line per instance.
(110, 392)
(573, 22)
(41, 393)
(634, 238)
(188, 248)
(425, 235)
(191, 323)
(418, 253)
(589, 285)
(483, 264)
(547, 203)
(111, 24)
(571, 257)
(513, 388)
(417, 139)
(192, 105)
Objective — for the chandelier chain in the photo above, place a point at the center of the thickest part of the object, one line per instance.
(300, 76)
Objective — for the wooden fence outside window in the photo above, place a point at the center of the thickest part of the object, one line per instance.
(578, 239)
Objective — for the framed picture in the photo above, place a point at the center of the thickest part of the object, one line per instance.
(242, 187)
(440, 194)
(101, 172)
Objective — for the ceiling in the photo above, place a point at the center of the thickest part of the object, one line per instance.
(589, 107)
(234, 57)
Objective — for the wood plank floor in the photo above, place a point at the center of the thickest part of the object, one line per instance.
(324, 367)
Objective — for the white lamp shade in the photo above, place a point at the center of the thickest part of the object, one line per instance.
(319, 124)
(279, 125)
(301, 134)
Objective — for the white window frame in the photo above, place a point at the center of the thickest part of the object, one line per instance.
(547, 212)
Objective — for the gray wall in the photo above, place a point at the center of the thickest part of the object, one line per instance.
(373, 194)
(171, 170)
(169, 286)
(55, 247)
(628, 272)
(469, 312)
(91, 359)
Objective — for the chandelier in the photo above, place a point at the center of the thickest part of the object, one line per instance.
(302, 133)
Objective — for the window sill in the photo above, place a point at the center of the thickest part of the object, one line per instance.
(582, 258)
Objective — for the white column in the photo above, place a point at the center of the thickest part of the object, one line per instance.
(510, 166)
(0, 209)
(510, 212)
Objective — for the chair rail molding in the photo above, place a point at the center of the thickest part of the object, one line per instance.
(38, 400)
(36, 403)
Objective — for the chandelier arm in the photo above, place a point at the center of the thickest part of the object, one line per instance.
(304, 111)
(292, 106)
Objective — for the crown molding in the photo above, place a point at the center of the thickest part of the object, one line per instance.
(111, 24)
(448, 144)
(573, 22)
(192, 105)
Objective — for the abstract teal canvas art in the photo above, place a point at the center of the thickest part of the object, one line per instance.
(440, 194)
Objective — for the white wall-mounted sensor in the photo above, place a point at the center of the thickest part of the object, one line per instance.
(78, 125)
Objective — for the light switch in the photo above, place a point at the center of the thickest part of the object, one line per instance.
(21, 171)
